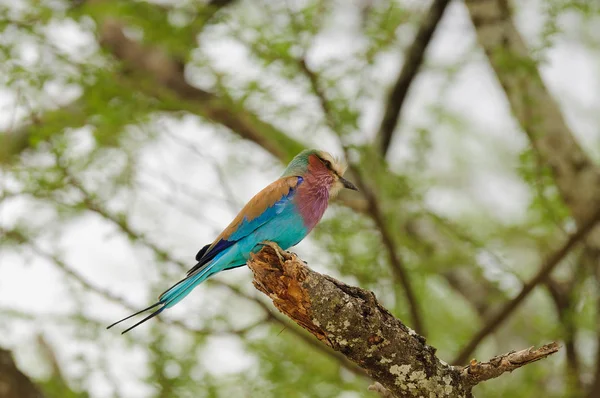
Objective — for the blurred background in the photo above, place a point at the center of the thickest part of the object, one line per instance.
(132, 132)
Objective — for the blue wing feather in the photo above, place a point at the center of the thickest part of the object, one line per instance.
(246, 227)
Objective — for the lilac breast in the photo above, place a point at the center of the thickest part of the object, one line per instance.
(311, 201)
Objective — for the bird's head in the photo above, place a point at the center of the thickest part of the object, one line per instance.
(321, 168)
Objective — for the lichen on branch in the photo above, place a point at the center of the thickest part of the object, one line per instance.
(352, 321)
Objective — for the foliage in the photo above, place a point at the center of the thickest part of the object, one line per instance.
(116, 176)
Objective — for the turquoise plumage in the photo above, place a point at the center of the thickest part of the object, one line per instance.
(284, 212)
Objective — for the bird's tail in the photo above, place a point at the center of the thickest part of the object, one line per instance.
(182, 288)
(172, 296)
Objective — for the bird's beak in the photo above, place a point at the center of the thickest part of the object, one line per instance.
(348, 184)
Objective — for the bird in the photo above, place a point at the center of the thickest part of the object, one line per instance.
(283, 213)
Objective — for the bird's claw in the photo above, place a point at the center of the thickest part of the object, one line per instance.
(275, 248)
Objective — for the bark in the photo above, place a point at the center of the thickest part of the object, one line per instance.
(351, 320)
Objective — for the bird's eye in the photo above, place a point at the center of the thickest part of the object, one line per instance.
(327, 163)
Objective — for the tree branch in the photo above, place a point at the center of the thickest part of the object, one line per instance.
(15, 141)
(476, 291)
(13, 382)
(476, 372)
(561, 296)
(544, 270)
(353, 322)
(381, 390)
(413, 59)
(168, 81)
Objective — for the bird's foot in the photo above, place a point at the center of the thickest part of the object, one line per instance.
(275, 248)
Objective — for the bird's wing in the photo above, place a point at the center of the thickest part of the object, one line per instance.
(267, 204)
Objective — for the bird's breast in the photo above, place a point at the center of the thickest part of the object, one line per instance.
(311, 204)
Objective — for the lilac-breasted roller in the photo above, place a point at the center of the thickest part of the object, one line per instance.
(284, 212)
